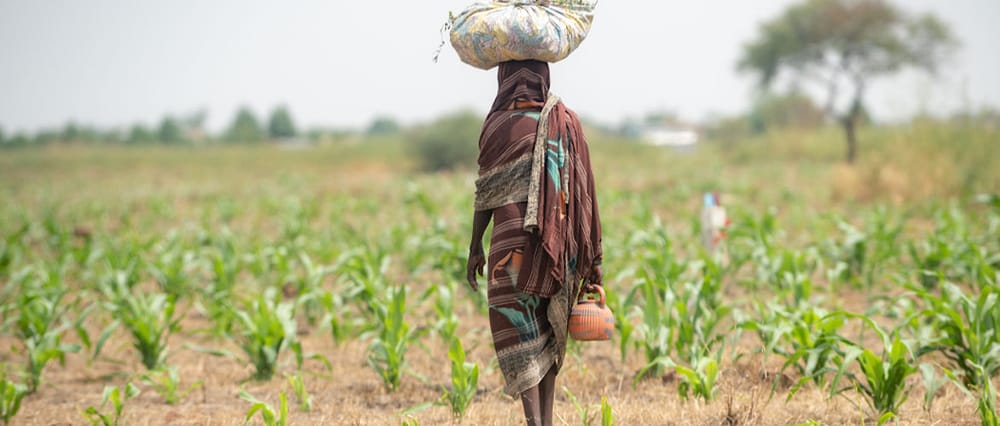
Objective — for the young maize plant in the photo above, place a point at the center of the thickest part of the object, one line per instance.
(167, 383)
(808, 339)
(464, 381)
(266, 328)
(301, 393)
(171, 267)
(882, 382)
(150, 320)
(117, 397)
(40, 324)
(11, 395)
(387, 351)
(267, 413)
(587, 416)
(225, 266)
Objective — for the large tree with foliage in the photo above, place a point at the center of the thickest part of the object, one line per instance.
(245, 128)
(839, 46)
(281, 126)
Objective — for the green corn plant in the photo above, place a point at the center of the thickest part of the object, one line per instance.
(987, 405)
(444, 308)
(117, 397)
(622, 309)
(338, 316)
(40, 324)
(364, 270)
(607, 416)
(150, 320)
(387, 350)
(11, 395)
(656, 329)
(882, 382)
(932, 383)
(167, 383)
(699, 381)
(968, 336)
(267, 413)
(265, 328)
(808, 339)
(586, 413)
(170, 269)
(307, 285)
(122, 265)
(216, 296)
(301, 393)
(464, 381)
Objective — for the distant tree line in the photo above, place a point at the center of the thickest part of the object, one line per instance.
(245, 128)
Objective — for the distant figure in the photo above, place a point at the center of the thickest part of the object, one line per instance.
(538, 188)
(714, 222)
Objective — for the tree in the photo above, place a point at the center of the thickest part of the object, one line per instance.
(383, 125)
(139, 134)
(3, 138)
(281, 126)
(170, 131)
(791, 110)
(245, 128)
(838, 44)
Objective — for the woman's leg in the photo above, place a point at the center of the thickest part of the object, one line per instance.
(547, 389)
(532, 407)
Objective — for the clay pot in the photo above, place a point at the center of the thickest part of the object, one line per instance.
(591, 320)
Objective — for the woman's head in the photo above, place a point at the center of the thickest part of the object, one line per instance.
(521, 81)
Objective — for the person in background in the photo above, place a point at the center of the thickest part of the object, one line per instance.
(537, 186)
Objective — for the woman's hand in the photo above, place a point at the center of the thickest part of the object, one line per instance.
(594, 278)
(476, 265)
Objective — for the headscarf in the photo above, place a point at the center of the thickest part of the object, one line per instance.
(521, 81)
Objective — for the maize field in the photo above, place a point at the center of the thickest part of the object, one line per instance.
(220, 285)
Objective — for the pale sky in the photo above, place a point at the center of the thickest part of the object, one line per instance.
(339, 63)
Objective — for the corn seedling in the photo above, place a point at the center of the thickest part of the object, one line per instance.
(387, 350)
(464, 381)
(167, 383)
(170, 269)
(883, 378)
(11, 395)
(301, 393)
(807, 339)
(607, 416)
(216, 296)
(150, 320)
(932, 383)
(586, 413)
(117, 397)
(968, 327)
(267, 413)
(40, 326)
(265, 329)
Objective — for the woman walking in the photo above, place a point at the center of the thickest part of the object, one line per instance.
(536, 185)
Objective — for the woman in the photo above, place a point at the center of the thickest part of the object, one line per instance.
(535, 183)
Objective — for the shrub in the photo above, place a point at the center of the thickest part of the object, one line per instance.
(448, 143)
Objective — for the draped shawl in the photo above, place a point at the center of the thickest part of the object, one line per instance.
(532, 149)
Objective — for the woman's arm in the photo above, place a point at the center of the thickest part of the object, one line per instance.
(477, 259)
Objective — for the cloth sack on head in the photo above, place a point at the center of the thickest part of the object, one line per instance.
(490, 32)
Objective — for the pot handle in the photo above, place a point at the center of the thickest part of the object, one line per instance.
(600, 291)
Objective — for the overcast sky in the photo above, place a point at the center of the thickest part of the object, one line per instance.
(339, 63)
